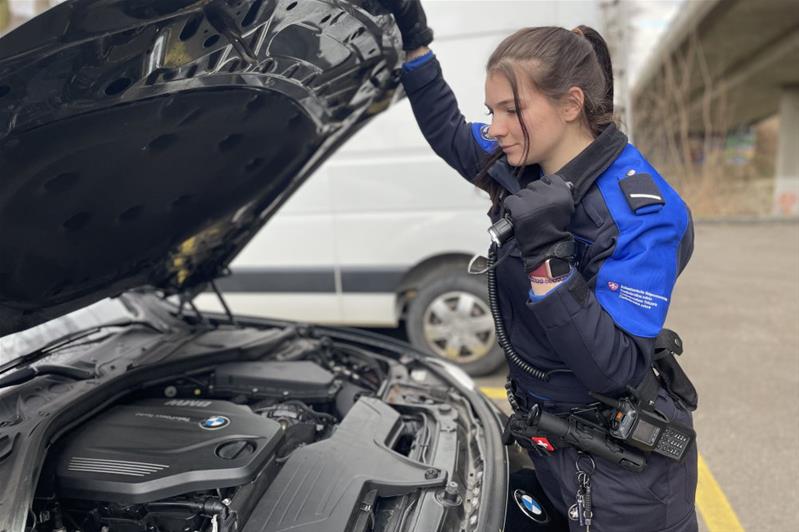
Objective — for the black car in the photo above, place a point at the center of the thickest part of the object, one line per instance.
(143, 144)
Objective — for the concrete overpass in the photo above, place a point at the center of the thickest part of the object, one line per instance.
(723, 65)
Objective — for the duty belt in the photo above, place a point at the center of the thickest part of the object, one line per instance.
(521, 426)
(623, 430)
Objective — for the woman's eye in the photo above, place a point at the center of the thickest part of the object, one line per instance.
(490, 113)
(511, 111)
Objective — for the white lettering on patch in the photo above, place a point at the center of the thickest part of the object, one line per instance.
(642, 298)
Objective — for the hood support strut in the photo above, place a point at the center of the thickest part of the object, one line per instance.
(223, 302)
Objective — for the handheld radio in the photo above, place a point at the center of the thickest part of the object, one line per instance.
(647, 430)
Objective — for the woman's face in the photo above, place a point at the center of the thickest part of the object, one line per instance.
(541, 116)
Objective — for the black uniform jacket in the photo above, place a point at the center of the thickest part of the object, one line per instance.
(634, 237)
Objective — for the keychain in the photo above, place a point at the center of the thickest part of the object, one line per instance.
(582, 511)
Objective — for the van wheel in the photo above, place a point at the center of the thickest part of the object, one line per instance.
(451, 318)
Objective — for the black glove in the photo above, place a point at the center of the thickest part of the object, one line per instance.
(540, 214)
(411, 21)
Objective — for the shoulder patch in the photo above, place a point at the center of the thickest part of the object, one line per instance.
(480, 133)
(642, 193)
(634, 284)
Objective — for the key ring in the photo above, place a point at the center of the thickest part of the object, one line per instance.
(589, 461)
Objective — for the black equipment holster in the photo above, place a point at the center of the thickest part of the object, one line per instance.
(668, 374)
(667, 347)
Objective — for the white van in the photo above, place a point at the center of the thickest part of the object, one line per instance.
(383, 232)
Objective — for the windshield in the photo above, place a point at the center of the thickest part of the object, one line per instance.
(104, 312)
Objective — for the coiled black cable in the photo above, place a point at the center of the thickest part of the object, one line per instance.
(502, 336)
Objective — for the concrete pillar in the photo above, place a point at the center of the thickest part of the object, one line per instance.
(786, 189)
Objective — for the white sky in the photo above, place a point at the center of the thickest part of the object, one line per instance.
(649, 19)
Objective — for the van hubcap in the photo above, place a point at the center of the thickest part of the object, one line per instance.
(458, 326)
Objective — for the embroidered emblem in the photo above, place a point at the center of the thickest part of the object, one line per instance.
(642, 298)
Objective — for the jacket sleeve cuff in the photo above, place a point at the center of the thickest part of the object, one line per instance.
(413, 64)
(421, 74)
(558, 306)
(536, 298)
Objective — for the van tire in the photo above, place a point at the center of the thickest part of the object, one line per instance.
(454, 308)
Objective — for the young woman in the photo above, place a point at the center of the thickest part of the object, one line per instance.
(599, 239)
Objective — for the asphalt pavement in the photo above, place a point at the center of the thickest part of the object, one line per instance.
(737, 310)
(736, 307)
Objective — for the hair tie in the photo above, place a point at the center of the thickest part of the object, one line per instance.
(579, 32)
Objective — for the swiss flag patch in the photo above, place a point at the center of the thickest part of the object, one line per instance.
(543, 443)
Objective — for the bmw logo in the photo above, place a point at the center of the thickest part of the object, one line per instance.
(530, 507)
(214, 422)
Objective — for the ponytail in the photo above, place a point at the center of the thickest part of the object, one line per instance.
(603, 57)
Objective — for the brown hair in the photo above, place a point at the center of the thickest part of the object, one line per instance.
(554, 59)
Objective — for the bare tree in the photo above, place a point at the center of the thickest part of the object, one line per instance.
(682, 124)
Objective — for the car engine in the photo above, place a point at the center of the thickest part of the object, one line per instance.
(317, 436)
(155, 449)
(198, 457)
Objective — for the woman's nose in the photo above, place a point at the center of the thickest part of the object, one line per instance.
(496, 130)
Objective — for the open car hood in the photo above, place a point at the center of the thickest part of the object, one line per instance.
(144, 142)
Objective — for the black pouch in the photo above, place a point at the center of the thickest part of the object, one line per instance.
(642, 193)
(674, 379)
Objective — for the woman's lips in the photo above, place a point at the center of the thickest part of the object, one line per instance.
(506, 148)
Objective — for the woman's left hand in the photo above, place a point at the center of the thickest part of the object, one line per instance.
(541, 214)
(411, 21)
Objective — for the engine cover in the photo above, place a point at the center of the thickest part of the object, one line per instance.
(160, 448)
(293, 379)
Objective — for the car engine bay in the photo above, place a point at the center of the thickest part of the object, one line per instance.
(317, 436)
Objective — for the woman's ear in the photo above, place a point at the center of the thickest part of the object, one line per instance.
(572, 103)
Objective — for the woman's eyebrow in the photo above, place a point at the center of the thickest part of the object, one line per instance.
(503, 102)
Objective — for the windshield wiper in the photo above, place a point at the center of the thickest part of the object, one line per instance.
(28, 373)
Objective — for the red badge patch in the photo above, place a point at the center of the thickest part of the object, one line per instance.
(543, 443)
(613, 286)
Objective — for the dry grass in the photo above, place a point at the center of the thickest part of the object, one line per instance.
(713, 196)
(718, 189)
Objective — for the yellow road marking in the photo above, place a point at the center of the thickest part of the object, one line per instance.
(715, 509)
(493, 392)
